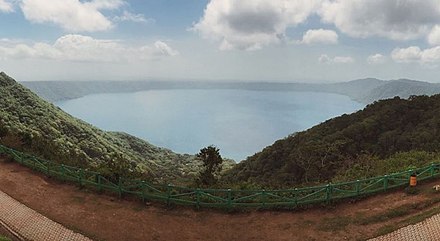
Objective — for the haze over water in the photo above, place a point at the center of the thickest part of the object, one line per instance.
(239, 122)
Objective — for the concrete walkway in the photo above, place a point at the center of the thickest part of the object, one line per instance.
(27, 224)
(427, 230)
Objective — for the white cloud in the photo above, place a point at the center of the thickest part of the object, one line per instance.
(407, 55)
(325, 59)
(323, 36)
(393, 19)
(434, 35)
(165, 49)
(376, 59)
(6, 6)
(86, 49)
(71, 15)
(343, 59)
(133, 17)
(105, 4)
(251, 24)
(414, 54)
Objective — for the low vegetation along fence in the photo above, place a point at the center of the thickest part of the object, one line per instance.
(223, 198)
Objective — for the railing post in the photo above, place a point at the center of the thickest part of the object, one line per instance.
(120, 187)
(169, 194)
(229, 199)
(143, 191)
(80, 177)
(295, 197)
(328, 193)
(99, 182)
(263, 194)
(63, 175)
(198, 198)
(21, 158)
(358, 187)
(48, 168)
(385, 182)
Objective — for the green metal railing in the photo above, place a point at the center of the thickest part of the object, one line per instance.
(222, 198)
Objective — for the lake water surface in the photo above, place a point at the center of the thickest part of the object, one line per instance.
(239, 122)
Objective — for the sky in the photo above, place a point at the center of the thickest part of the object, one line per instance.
(231, 40)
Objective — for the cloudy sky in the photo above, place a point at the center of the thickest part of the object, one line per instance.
(252, 40)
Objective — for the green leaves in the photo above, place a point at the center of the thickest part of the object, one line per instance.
(30, 123)
(212, 165)
(387, 136)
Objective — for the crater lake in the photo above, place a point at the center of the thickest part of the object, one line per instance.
(239, 122)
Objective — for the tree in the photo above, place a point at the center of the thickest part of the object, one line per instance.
(212, 160)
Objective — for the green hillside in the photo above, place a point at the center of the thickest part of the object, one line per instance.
(34, 125)
(388, 135)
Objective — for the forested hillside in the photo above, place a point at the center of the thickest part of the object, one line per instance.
(391, 134)
(36, 126)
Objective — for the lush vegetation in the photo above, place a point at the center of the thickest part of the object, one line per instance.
(36, 126)
(388, 135)
(212, 166)
(3, 238)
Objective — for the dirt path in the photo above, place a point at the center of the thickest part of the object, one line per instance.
(27, 224)
(103, 217)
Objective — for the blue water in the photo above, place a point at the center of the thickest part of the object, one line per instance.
(239, 122)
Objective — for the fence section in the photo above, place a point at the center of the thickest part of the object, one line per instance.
(221, 198)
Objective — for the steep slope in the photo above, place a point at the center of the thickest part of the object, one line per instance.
(355, 89)
(30, 123)
(319, 154)
(403, 88)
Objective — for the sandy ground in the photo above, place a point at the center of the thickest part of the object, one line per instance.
(103, 217)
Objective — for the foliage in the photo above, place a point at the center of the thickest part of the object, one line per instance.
(212, 165)
(386, 136)
(369, 166)
(3, 238)
(29, 123)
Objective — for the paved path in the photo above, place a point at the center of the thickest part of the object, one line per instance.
(428, 230)
(27, 224)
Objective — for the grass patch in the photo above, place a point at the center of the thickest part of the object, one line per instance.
(401, 211)
(420, 217)
(409, 221)
(335, 224)
(392, 213)
(3, 238)
(386, 229)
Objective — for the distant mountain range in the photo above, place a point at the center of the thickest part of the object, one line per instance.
(362, 90)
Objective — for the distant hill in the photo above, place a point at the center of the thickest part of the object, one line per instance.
(357, 142)
(362, 90)
(403, 88)
(34, 125)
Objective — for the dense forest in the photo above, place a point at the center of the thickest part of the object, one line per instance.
(388, 135)
(36, 126)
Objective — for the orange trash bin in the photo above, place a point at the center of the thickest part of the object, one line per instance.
(413, 180)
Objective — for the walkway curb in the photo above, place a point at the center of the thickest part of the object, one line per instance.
(427, 230)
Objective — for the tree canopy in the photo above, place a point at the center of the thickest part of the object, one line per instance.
(212, 165)
(381, 130)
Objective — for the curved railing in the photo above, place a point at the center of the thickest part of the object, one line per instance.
(222, 198)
